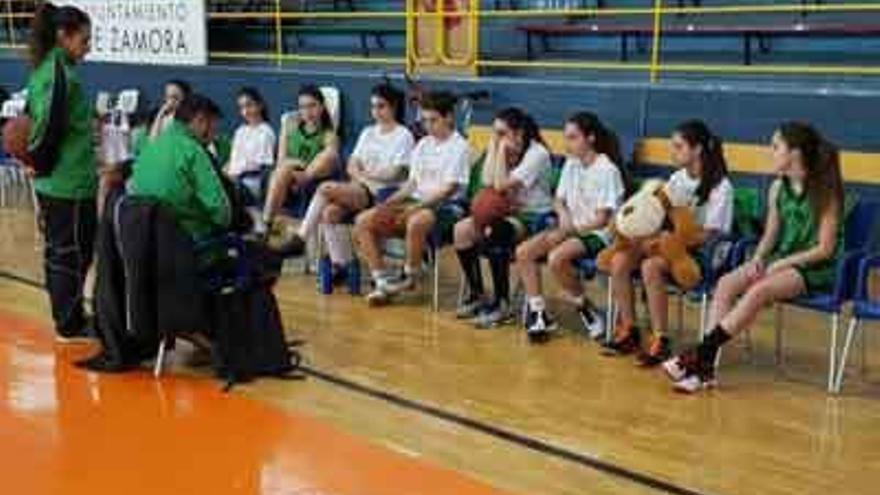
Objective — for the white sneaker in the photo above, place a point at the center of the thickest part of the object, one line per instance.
(378, 297)
(593, 323)
(674, 369)
(693, 383)
(400, 284)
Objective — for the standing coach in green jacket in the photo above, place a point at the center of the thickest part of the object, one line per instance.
(63, 157)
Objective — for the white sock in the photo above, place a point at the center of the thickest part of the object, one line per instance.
(313, 216)
(537, 303)
(338, 240)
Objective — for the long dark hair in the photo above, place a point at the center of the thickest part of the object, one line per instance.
(821, 158)
(254, 95)
(697, 133)
(393, 97)
(314, 92)
(183, 86)
(518, 120)
(605, 141)
(48, 20)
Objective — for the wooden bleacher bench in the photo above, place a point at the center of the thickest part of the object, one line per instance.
(363, 30)
(749, 33)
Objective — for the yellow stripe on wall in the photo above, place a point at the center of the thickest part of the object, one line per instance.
(741, 157)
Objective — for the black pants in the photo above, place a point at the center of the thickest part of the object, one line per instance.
(68, 228)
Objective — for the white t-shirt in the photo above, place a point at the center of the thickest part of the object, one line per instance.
(253, 146)
(533, 171)
(586, 190)
(717, 212)
(382, 154)
(435, 165)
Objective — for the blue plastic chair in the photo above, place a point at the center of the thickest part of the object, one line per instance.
(864, 308)
(858, 225)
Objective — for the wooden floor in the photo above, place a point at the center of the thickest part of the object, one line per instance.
(582, 423)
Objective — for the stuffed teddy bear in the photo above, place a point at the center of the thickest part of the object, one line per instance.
(641, 223)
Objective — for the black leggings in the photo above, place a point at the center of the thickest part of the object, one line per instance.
(498, 248)
(68, 228)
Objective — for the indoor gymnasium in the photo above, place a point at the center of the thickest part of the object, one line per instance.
(425, 247)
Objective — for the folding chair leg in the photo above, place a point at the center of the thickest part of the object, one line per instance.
(704, 314)
(832, 352)
(160, 357)
(609, 312)
(854, 327)
(435, 300)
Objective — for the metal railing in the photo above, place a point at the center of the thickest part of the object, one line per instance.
(283, 21)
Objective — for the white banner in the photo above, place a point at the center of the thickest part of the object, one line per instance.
(166, 32)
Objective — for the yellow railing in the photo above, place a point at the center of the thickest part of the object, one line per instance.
(411, 60)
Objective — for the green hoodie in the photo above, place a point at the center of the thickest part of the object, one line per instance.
(176, 170)
(61, 135)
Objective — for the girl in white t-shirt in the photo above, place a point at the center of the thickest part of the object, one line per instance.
(590, 190)
(518, 165)
(375, 168)
(253, 145)
(433, 193)
(702, 178)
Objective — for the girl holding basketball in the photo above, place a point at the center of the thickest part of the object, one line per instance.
(517, 166)
(63, 158)
(434, 193)
(702, 182)
(308, 149)
(797, 254)
(375, 168)
(589, 191)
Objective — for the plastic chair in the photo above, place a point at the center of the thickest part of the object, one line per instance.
(864, 308)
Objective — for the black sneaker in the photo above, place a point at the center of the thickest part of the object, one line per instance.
(470, 308)
(539, 325)
(658, 352)
(84, 335)
(626, 341)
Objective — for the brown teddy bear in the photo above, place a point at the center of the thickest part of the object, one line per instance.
(658, 223)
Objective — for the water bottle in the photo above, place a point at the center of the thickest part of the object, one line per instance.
(325, 275)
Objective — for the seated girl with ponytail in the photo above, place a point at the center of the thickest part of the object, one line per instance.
(796, 255)
(517, 165)
(702, 180)
(590, 190)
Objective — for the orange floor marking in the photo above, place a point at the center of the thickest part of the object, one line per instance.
(65, 431)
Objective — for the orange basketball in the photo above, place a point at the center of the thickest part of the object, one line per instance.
(16, 133)
(488, 206)
(386, 220)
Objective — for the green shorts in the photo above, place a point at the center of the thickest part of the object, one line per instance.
(593, 244)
